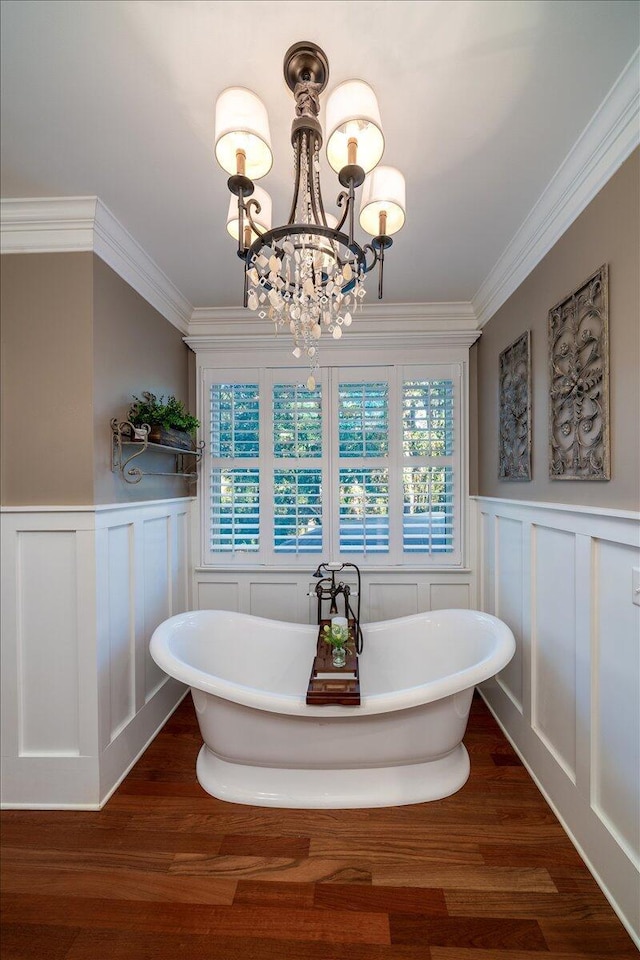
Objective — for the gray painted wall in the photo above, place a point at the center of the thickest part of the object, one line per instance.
(608, 231)
(77, 343)
(47, 379)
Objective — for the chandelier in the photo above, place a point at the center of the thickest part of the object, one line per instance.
(308, 276)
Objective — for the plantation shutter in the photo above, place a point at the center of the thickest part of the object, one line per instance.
(297, 431)
(428, 471)
(235, 490)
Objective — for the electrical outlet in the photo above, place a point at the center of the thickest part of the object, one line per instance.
(635, 586)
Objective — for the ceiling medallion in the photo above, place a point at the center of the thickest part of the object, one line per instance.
(309, 274)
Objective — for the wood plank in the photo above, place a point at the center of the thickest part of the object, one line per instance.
(485, 932)
(534, 879)
(380, 850)
(472, 953)
(98, 913)
(248, 845)
(607, 938)
(305, 870)
(119, 884)
(539, 853)
(22, 942)
(126, 946)
(401, 900)
(491, 903)
(281, 893)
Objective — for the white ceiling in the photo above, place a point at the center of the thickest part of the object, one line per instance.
(481, 101)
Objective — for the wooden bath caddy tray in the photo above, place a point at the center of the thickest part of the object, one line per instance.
(334, 686)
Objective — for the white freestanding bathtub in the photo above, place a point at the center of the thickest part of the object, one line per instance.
(263, 745)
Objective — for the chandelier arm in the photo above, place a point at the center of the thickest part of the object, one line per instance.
(377, 247)
(296, 189)
(369, 266)
(241, 211)
(254, 226)
(342, 196)
(380, 272)
(352, 203)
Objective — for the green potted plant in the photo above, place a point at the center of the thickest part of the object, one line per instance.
(171, 424)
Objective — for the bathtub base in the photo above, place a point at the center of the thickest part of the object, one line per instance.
(306, 788)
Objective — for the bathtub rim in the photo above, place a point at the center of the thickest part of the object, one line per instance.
(295, 705)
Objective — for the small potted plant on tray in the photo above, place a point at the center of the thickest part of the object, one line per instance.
(170, 422)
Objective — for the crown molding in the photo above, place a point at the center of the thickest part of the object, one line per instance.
(361, 339)
(85, 224)
(608, 139)
(237, 324)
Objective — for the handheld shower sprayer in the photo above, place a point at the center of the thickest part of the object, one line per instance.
(328, 589)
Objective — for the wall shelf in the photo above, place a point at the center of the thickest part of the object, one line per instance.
(125, 447)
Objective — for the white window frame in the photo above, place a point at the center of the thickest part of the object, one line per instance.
(329, 378)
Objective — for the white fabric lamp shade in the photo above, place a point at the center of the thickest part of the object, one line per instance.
(383, 191)
(352, 112)
(242, 124)
(263, 219)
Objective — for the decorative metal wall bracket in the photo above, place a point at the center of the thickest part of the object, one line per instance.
(123, 435)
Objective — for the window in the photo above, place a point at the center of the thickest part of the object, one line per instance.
(366, 466)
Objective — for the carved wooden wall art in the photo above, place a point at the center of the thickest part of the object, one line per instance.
(514, 454)
(579, 383)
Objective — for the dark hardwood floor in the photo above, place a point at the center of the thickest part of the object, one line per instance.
(165, 871)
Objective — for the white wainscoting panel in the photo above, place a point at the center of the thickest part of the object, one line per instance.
(277, 600)
(121, 627)
(507, 584)
(217, 595)
(82, 591)
(553, 643)
(449, 596)
(388, 600)
(47, 644)
(561, 577)
(289, 594)
(156, 597)
(615, 694)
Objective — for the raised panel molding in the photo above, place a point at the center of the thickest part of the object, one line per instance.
(47, 645)
(578, 731)
(121, 628)
(553, 644)
(615, 695)
(77, 710)
(509, 600)
(388, 600)
(449, 596)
